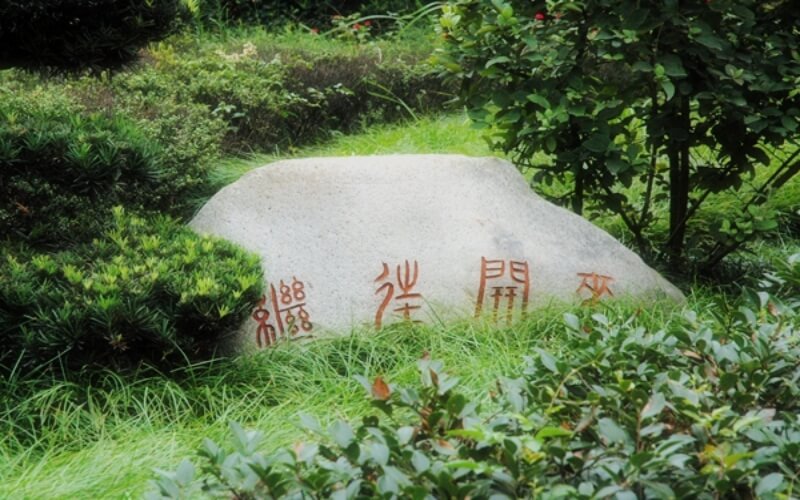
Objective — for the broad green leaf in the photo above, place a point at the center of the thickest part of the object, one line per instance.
(610, 431)
(654, 406)
(185, 472)
(789, 123)
(309, 423)
(552, 431)
(597, 143)
(547, 360)
(497, 60)
(669, 88)
(769, 483)
(710, 41)
(572, 322)
(539, 99)
(379, 453)
(616, 166)
(404, 434)
(420, 462)
(342, 433)
(672, 65)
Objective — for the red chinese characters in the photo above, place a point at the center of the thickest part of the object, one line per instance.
(288, 303)
(594, 286)
(399, 290)
(503, 281)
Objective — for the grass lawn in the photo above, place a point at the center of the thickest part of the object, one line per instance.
(445, 134)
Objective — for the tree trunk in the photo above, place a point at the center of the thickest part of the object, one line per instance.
(679, 170)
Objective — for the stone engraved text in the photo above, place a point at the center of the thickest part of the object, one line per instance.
(503, 279)
(291, 316)
(399, 290)
(597, 285)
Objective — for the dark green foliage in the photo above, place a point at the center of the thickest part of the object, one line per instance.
(73, 34)
(312, 12)
(62, 168)
(146, 289)
(639, 107)
(706, 408)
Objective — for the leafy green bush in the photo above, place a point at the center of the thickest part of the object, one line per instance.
(706, 409)
(275, 96)
(642, 108)
(144, 290)
(62, 168)
(71, 34)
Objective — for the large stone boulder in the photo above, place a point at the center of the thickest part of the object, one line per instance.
(347, 242)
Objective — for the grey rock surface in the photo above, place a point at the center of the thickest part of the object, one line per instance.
(354, 241)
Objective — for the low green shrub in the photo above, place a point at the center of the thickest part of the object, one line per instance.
(276, 96)
(706, 409)
(62, 167)
(145, 290)
(72, 34)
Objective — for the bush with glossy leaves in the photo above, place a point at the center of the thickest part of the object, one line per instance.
(705, 408)
(647, 109)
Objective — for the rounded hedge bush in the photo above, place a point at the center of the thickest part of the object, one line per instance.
(146, 289)
(62, 169)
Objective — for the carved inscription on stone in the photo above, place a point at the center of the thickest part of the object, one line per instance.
(398, 291)
(288, 305)
(594, 286)
(504, 284)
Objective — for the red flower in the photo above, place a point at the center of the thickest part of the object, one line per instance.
(357, 26)
(540, 16)
(367, 23)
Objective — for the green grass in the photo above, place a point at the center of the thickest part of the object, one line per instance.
(446, 134)
(101, 436)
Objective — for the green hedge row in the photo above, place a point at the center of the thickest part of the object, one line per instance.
(277, 94)
(71, 148)
(303, 11)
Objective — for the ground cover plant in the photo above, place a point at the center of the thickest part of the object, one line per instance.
(312, 13)
(277, 92)
(684, 100)
(705, 406)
